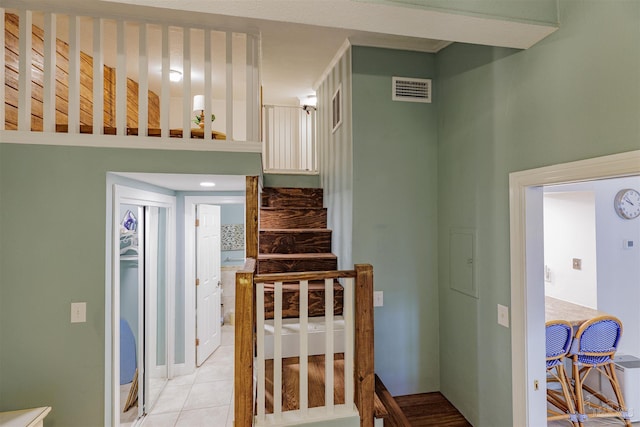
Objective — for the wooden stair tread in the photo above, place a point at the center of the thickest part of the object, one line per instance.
(296, 230)
(297, 256)
(290, 208)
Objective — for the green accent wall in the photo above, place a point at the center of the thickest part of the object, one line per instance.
(291, 180)
(52, 241)
(574, 95)
(395, 214)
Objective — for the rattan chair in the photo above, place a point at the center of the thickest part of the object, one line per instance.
(593, 349)
(558, 342)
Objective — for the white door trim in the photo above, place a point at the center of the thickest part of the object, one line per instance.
(190, 203)
(523, 311)
(127, 195)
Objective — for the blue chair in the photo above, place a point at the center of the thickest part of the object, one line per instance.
(558, 342)
(593, 349)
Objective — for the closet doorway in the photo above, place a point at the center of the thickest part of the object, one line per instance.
(143, 271)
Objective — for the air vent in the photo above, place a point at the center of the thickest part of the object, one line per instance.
(411, 90)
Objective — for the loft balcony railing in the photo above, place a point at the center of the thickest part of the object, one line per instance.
(88, 80)
(289, 136)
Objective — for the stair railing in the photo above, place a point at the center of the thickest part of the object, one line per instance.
(250, 374)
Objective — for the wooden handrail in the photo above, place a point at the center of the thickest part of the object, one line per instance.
(244, 345)
(305, 275)
(364, 359)
(395, 416)
(252, 210)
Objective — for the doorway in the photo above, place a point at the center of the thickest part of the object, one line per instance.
(527, 270)
(143, 267)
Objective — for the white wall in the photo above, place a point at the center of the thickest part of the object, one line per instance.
(617, 269)
(570, 232)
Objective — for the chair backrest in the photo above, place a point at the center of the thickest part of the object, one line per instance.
(558, 338)
(598, 336)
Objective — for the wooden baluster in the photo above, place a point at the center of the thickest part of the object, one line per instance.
(98, 77)
(121, 80)
(24, 71)
(304, 347)
(328, 347)
(165, 93)
(143, 81)
(229, 83)
(2, 72)
(187, 105)
(347, 313)
(260, 360)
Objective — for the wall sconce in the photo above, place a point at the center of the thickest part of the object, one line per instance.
(175, 75)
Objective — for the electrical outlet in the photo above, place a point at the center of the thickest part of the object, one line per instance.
(503, 315)
(577, 264)
(78, 312)
(378, 299)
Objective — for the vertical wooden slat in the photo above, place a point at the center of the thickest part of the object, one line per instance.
(165, 96)
(347, 313)
(186, 84)
(143, 81)
(24, 67)
(314, 149)
(260, 359)
(229, 88)
(98, 77)
(165, 99)
(121, 80)
(304, 346)
(328, 352)
(252, 88)
(74, 74)
(243, 352)
(364, 360)
(251, 214)
(268, 138)
(277, 351)
(207, 84)
(2, 72)
(49, 71)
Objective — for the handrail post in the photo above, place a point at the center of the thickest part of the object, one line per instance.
(251, 212)
(244, 345)
(364, 350)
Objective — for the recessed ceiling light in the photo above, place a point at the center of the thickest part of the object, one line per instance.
(175, 75)
(207, 184)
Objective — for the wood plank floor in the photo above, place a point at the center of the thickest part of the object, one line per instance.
(430, 409)
(426, 409)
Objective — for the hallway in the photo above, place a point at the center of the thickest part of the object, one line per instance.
(204, 398)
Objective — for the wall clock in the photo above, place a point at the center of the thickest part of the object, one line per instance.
(627, 203)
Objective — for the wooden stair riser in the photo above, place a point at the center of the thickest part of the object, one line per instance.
(293, 218)
(292, 197)
(291, 300)
(266, 266)
(294, 242)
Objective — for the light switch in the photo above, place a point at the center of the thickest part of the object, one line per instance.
(378, 299)
(577, 264)
(503, 315)
(78, 312)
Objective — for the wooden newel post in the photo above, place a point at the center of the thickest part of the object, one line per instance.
(252, 210)
(364, 363)
(244, 336)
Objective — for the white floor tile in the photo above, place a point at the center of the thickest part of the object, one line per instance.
(205, 395)
(214, 372)
(161, 420)
(223, 354)
(208, 417)
(183, 379)
(172, 399)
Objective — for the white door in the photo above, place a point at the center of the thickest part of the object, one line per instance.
(207, 281)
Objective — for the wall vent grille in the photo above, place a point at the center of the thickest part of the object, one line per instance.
(411, 90)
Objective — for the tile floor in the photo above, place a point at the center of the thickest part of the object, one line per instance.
(204, 398)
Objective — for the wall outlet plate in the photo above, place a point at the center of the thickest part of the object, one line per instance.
(378, 298)
(503, 315)
(78, 312)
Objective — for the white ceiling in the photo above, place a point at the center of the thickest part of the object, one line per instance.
(181, 182)
(300, 38)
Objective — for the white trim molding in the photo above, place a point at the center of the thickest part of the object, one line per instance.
(520, 184)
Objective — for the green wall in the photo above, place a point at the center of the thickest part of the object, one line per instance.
(574, 95)
(395, 216)
(52, 240)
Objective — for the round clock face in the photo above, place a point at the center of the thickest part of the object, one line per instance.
(627, 203)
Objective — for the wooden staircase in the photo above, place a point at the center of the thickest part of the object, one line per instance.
(293, 237)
